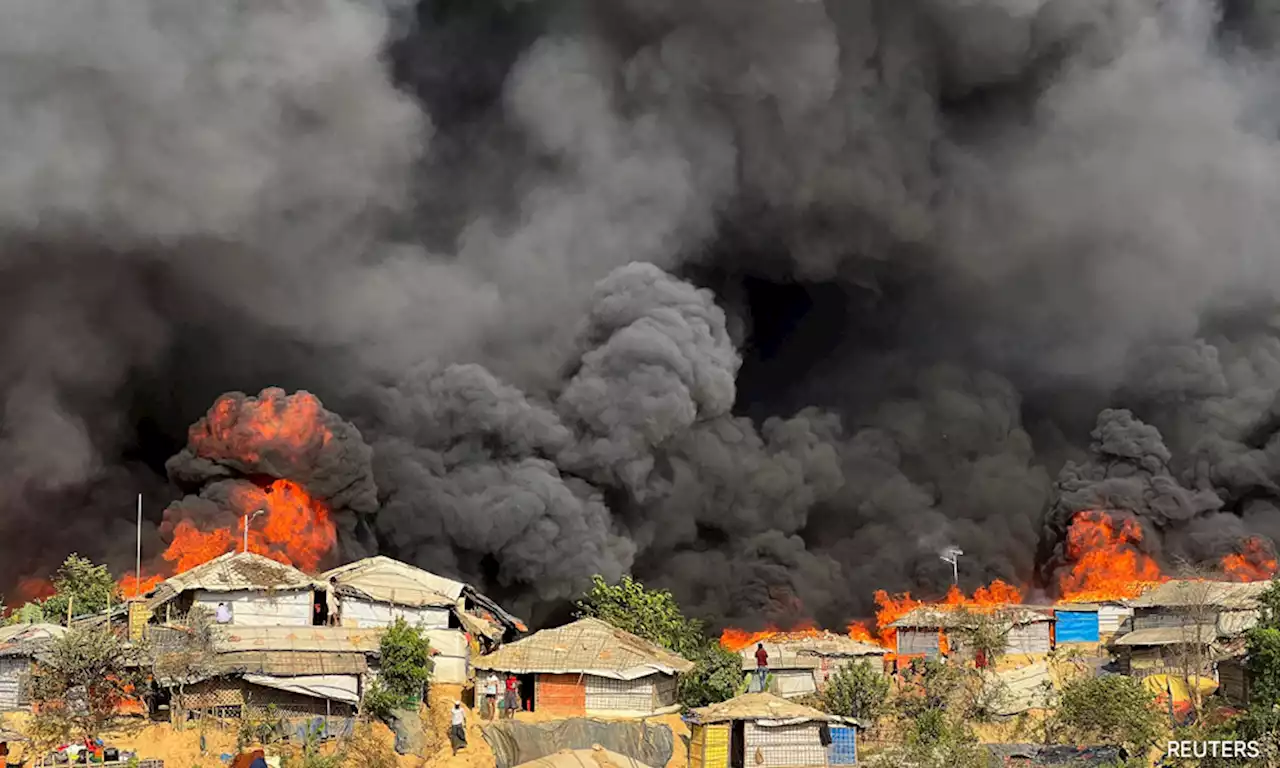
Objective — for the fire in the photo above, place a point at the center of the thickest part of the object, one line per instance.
(1255, 562)
(890, 608)
(1107, 560)
(32, 588)
(737, 639)
(242, 430)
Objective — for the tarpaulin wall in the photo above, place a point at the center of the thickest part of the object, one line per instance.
(1076, 627)
(514, 743)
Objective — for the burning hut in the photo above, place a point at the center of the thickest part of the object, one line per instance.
(258, 592)
(801, 663)
(760, 729)
(1184, 627)
(933, 631)
(591, 667)
(19, 646)
(375, 591)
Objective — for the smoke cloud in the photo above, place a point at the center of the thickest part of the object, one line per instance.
(765, 305)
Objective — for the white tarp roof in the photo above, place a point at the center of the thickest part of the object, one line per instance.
(343, 688)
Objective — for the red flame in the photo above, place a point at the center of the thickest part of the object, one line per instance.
(1255, 562)
(1107, 560)
(242, 429)
(890, 608)
(32, 588)
(737, 639)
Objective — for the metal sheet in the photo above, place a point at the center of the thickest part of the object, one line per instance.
(11, 671)
(368, 614)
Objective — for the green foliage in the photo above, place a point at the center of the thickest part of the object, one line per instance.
(928, 684)
(983, 633)
(31, 613)
(85, 675)
(1108, 710)
(260, 726)
(935, 739)
(655, 616)
(404, 670)
(85, 587)
(855, 690)
(649, 613)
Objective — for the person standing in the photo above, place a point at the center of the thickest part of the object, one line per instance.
(762, 666)
(458, 728)
(511, 701)
(490, 695)
(223, 614)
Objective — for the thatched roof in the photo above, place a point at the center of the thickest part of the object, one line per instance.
(808, 651)
(760, 706)
(28, 639)
(1211, 594)
(587, 646)
(232, 572)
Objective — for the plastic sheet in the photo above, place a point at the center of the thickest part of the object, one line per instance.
(514, 743)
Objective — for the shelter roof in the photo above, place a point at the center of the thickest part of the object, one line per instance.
(807, 651)
(301, 639)
(1192, 633)
(760, 706)
(1195, 593)
(28, 639)
(947, 617)
(232, 572)
(587, 646)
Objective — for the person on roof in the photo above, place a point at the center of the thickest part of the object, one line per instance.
(762, 667)
(223, 614)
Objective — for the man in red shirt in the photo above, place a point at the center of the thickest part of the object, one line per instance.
(762, 666)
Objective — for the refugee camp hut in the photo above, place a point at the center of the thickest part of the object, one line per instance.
(1114, 617)
(801, 663)
(766, 731)
(259, 592)
(933, 631)
(300, 671)
(591, 667)
(19, 646)
(376, 591)
(1187, 623)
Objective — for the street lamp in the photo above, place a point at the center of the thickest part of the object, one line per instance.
(952, 555)
(247, 518)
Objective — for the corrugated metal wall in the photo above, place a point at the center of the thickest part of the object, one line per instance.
(12, 672)
(790, 683)
(561, 695)
(1233, 682)
(1029, 639)
(261, 609)
(366, 614)
(912, 642)
(844, 745)
(1076, 626)
(709, 746)
(604, 694)
(792, 746)
(1112, 617)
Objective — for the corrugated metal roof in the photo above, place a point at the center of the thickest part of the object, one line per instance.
(28, 639)
(807, 652)
(587, 646)
(759, 706)
(306, 639)
(1203, 633)
(232, 572)
(1192, 593)
(947, 617)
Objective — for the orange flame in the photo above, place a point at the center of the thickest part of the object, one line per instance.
(33, 588)
(241, 429)
(1255, 562)
(1107, 561)
(736, 639)
(890, 608)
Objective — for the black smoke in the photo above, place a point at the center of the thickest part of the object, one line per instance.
(766, 303)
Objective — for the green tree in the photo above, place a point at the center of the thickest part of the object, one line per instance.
(1108, 710)
(404, 669)
(655, 616)
(855, 690)
(85, 587)
(78, 686)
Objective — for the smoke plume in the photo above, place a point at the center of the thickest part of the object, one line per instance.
(763, 303)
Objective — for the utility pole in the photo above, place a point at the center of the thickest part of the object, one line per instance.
(952, 555)
(247, 518)
(137, 564)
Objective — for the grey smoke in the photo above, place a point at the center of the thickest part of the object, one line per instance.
(542, 255)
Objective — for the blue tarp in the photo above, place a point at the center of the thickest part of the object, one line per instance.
(844, 745)
(1076, 626)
